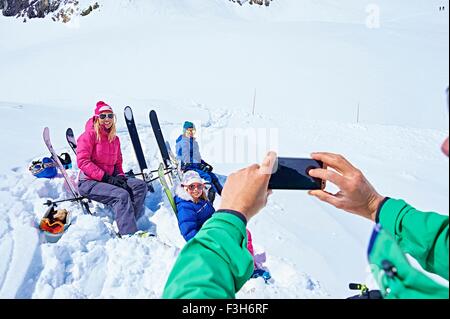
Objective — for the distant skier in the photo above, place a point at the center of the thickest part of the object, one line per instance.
(194, 210)
(188, 153)
(102, 178)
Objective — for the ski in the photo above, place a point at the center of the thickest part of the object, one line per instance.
(73, 189)
(71, 140)
(167, 191)
(160, 138)
(132, 130)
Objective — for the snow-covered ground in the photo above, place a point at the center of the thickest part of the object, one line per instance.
(311, 63)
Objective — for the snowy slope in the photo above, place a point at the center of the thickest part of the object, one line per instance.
(217, 52)
(311, 62)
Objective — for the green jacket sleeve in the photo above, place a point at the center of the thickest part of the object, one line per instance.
(214, 264)
(423, 235)
(396, 277)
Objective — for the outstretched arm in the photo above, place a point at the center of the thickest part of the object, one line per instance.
(423, 235)
(214, 264)
(356, 194)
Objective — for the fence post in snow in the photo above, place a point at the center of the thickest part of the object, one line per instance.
(357, 114)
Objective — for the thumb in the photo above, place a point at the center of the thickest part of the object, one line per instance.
(267, 165)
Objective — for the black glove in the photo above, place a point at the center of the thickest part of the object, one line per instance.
(122, 178)
(119, 181)
(206, 167)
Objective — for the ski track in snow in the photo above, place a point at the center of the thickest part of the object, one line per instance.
(75, 266)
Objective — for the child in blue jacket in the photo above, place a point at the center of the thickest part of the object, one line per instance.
(193, 206)
(194, 209)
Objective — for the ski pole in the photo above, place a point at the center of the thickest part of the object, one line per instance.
(132, 174)
(166, 173)
(362, 288)
(50, 203)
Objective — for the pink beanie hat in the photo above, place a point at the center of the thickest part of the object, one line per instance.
(102, 107)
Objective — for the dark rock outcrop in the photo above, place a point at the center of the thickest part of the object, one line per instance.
(29, 8)
(63, 10)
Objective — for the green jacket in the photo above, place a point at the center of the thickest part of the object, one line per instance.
(424, 236)
(214, 264)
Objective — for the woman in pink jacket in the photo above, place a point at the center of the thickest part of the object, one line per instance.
(102, 178)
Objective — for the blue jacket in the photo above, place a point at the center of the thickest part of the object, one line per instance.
(191, 216)
(188, 150)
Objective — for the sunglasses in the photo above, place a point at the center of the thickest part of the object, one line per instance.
(37, 167)
(192, 187)
(107, 115)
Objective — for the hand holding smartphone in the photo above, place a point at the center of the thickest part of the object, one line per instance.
(293, 174)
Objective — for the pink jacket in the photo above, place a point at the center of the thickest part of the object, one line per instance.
(250, 243)
(250, 247)
(95, 158)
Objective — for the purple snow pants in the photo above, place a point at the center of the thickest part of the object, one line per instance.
(126, 210)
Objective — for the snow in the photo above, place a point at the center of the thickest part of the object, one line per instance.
(311, 62)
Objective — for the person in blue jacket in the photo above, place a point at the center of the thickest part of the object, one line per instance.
(194, 209)
(193, 206)
(188, 153)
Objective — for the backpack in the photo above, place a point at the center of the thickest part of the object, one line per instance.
(47, 168)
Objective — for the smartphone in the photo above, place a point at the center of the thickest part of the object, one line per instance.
(292, 174)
